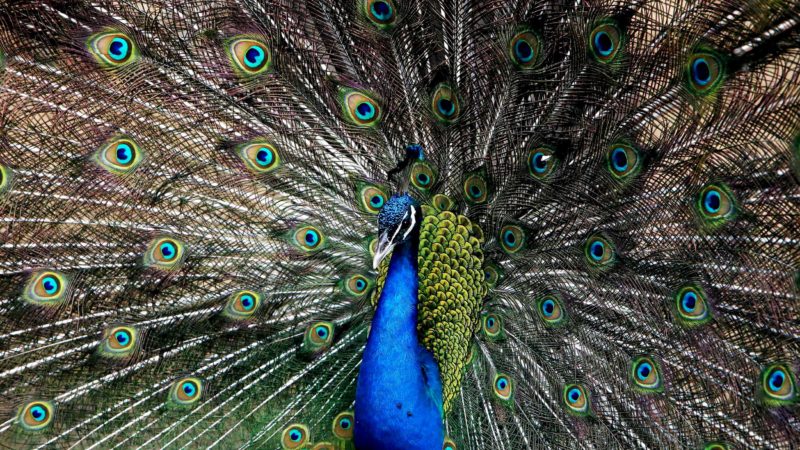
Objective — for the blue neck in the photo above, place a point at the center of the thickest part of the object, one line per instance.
(399, 391)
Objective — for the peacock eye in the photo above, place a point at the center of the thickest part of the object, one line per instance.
(309, 238)
(692, 306)
(112, 49)
(360, 108)
(295, 436)
(260, 156)
(422, 175)
(36, 415)
(318, 337)
(380, 12)
(605, 42)
(445, 105)
(449, 444)
(164, 253)
(343, 425)
(186, 391)
(121, 155)
(551, 310)
(541, 162)
(623, 161)
(503, 387)
(716, 204)
(247, 302)
(371, 198)
(576, 399)
(645, 374)
(5, 178)
(46, 288)
(778, 385)
(249, 56)
(475, 189)
(492, 275)
(716, 446)
(492, 326)
(324, 445)
(119, 341)
(599, 251)
(357, 285)
(705, 72)
(443, 202)
(525, 49)
(242, 304)
(512, 239)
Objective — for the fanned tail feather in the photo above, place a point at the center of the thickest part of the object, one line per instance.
(258, 180)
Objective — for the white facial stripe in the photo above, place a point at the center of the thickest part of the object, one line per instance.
(397, 230)
(413, 222)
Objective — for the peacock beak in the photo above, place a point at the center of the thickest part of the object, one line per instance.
(384, 247)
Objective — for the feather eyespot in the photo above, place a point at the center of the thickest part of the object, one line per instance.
(360, 107)
(357, 285)
(423, 176)
(445, 104)
(716, 205)
(599, 251)
(716, 446)
(623, 161)
(778, 385)
(249, 56)
(46, 288)
(372, 246)
(443, 202)
(646, 374)
(164, 253)
(449, 444)
(381, 13)
(324, 445)
(186, 391)
(309, 239)
(112, 49)
(36, 415)
(259, 155)
(576, 399)
(525, 49)
(371, 198)
(705, 72)
(475, 189)
(512, 239)
(119, 341)
(343, 425)
(121, 155)
(242, 304)
(551, 310)
(295, 436)
(503, 387)
(541, 162)
(492, 326)
(691, 306)
(492, 274)
(5, 178)
(605, 41)
(318, 337)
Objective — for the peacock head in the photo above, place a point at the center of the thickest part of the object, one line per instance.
(399, 216)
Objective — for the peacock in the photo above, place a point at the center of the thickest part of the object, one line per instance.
(399, 224)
